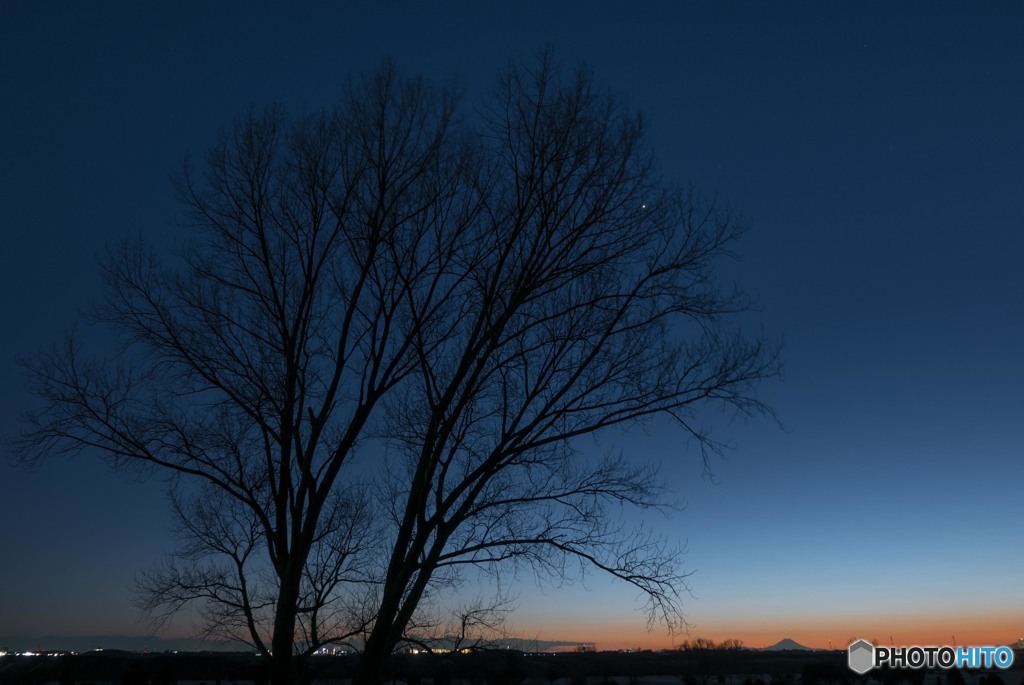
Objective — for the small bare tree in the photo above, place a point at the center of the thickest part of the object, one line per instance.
(471, 625)
(472, 295)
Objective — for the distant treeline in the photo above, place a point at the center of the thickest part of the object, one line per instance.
(703, 643)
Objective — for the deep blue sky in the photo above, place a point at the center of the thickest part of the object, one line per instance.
(875, 149)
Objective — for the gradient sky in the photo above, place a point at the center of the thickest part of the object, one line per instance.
(876, 150)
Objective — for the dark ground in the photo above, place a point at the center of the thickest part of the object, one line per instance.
(708, 667)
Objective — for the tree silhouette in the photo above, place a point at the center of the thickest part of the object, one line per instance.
(458, 296)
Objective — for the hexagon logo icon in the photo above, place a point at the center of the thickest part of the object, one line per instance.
(861, 657)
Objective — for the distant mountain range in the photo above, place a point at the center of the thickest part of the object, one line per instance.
(786, 643)
(86, 643)
(152, 643)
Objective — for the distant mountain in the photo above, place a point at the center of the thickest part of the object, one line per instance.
(786, 643)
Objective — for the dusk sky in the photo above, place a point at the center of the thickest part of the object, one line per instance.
(875, 149)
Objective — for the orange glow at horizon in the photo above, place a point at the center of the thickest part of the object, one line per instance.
(933, 629)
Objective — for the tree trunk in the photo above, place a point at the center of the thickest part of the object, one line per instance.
(280, 663)
(371, 661)
(392, 619)
(282, 645)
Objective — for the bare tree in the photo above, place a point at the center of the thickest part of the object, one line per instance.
(472, 295)
(220, 565)
(477, 623)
